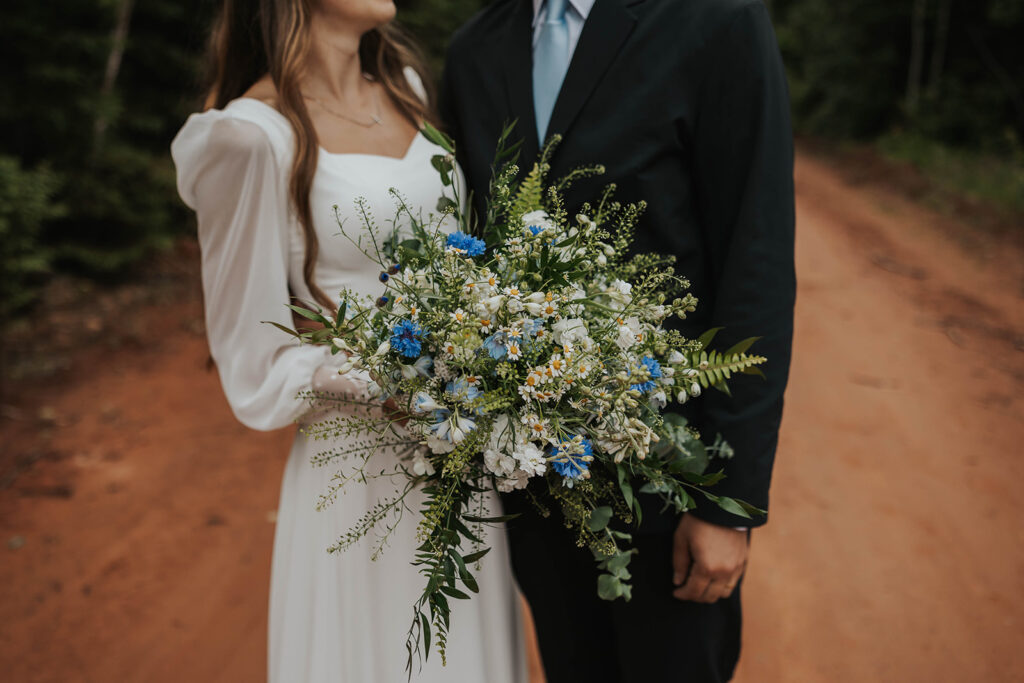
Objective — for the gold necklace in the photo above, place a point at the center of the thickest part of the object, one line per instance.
(375, 119)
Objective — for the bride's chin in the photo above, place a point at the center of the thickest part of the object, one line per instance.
(368, 14)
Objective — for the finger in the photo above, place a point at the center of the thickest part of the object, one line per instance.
(716, 591)
(694, 587)
(681, 560)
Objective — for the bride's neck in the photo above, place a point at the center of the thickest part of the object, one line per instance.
(332, 68)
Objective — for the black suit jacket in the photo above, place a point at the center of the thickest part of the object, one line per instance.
(685, 103)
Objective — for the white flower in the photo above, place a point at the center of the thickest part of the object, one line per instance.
(490, 305)
(538, 427)
(539, 220)
(514, 350)
(582, 369)
(460, 427)
(568, 330)
(514, 305)
(439, 445)
(601, 261)
(585, 222)
(458, 315)
(556, 366)
(658, 400)
(503, 434)
(421, 465)
(384, 347)
(531, 459)
(489, 282)
(499, 463)
(626, 338)
(694, 390)
(676, 358)
(533, 381)
(622, 287)
(536, 217)
(518, 480)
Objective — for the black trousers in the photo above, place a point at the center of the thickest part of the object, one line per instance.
(653, 638)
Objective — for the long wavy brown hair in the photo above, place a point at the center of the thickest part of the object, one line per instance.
(255, 37)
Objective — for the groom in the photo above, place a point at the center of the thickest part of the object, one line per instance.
(685, 103)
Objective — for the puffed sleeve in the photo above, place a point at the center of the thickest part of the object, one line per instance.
(227, 173)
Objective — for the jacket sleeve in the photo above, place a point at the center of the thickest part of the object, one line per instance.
(743, 169)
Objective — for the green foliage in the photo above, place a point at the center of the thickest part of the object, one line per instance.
(995, 179)
(26, 202)
(849, 69)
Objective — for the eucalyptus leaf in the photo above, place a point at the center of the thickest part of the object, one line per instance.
(599, 518)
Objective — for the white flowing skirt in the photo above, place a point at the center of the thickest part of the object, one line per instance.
(343, 618)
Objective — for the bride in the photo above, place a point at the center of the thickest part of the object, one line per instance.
(315, 103)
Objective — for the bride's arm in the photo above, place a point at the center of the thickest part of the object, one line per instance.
(229, 174)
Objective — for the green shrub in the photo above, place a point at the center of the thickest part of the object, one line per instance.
(26, 203)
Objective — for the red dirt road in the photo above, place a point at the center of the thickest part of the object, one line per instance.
(136, 515)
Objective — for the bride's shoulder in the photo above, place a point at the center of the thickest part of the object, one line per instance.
(247, 126)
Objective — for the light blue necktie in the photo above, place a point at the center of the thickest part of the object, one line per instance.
(550, 62)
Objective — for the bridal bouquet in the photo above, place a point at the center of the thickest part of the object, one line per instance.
(534, 355)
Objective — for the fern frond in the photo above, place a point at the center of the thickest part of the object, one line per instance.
(530, 195)
(714, 368)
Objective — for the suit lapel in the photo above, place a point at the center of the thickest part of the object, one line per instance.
(517, 58)
(605, 31)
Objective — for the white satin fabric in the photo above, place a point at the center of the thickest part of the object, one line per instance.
(333, 618)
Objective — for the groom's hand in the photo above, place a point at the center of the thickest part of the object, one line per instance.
(707, 560)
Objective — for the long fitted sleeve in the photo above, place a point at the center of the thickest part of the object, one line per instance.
(228, 173)
(744, 185)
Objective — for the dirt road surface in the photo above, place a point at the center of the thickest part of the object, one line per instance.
(136, 516)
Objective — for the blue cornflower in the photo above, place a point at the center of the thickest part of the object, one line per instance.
(571, 458)
(535, 229)
(467, 244)
(405, 338)
(653, 369)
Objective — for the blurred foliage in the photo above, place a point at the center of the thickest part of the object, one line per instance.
(851, 74)
(88, 185)
(26, 203)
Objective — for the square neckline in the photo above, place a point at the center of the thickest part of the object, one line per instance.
(326, 152)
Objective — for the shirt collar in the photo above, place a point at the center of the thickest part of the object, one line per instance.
(582, 8)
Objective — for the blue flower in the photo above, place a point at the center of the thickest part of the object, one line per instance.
(535, 229)
(572, 457)
(462, 391)
(467, 244)
(495, 345)
(405, 338)
(654, 370)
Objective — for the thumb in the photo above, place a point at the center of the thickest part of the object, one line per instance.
(680, 557)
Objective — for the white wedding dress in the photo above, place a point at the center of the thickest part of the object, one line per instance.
(338, 618)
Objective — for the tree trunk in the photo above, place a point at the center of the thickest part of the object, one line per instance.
(939, 48)
(916, 56)
(118, 38)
